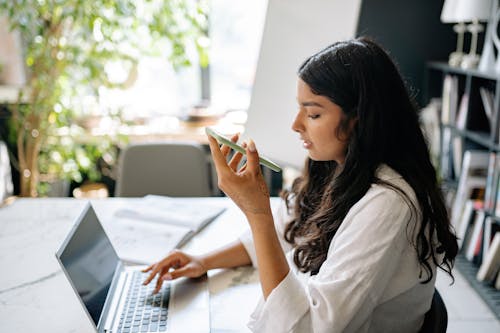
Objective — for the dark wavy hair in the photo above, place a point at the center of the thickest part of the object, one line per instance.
(360, 77)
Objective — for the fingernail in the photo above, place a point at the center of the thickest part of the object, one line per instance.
(251, 146)
(244, 144)
(167, 277)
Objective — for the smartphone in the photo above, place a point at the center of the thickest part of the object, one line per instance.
(225, 141)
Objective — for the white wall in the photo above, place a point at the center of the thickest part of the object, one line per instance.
(294, 30)
(10, 56)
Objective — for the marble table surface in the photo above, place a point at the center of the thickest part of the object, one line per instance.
(36, 296)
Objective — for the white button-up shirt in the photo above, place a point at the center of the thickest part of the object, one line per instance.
(370, 280)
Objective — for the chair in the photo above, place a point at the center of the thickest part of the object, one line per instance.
(436, 319)
(6, 186)
(173, 169)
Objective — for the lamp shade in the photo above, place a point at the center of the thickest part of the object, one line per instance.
(465, 10)
(448, 12)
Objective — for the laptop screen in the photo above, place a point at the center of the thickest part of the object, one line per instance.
(90, 261)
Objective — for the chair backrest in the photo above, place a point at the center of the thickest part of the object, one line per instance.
(6, 186)
(173, 169)
(436, 319)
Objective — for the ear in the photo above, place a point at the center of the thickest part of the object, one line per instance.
(345, 135)
(352, 124)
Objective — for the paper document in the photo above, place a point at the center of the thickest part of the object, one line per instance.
(155, 225)
(176, 211)
(145, 242)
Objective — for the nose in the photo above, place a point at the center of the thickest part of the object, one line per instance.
(298, 124)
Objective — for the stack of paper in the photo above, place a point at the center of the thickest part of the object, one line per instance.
(147, 231)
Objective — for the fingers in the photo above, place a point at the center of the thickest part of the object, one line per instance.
(226, 149)
(159, 283)
(217, 156)
(233, 164)
(163, 265)
(186, 271)
(252, 158)
(147, 269)
(180, 272)
(152, 275)
(243, 168)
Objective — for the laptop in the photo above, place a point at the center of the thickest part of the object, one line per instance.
(112, 294)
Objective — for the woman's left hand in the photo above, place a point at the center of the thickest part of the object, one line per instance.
(246, 186)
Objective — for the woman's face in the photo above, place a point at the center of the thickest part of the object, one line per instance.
(317, 121)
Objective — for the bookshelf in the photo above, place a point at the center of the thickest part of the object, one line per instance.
(486, 291)
(468, 122)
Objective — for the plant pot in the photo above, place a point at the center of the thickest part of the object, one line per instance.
(58, 188)
(91, 191)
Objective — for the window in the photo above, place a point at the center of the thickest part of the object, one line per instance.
(235, 33)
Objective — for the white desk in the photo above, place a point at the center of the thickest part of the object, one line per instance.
(36, 297)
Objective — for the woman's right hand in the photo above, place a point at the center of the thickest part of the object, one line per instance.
(182, 265)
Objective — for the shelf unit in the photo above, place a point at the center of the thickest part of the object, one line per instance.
(486, 291)
(478, 132)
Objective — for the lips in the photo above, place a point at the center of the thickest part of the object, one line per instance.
(306, 144)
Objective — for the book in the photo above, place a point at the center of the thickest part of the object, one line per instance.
(497, 209)
(461, 120)
(487, 97)
(495, 187)
(472, 176)
(446, 158)
(458, 143)
(477, 257)
(472, 244)
(490, 229)
(156, 225)
(450, 99)
(448, 112)
(491, 263)
(466, 222)
(472, 189)
(489, 196)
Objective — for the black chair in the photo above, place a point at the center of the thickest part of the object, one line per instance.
(436, 319)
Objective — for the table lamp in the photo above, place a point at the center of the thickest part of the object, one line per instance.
(473, 11)
(448, 15)
(461, 11)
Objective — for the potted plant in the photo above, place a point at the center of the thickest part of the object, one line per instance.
(67, 46)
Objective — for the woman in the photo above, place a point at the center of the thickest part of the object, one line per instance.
(365, 224)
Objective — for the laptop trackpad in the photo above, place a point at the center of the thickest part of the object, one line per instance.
(189, 307)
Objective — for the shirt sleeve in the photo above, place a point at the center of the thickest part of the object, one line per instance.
(362, 257)
(281, 218)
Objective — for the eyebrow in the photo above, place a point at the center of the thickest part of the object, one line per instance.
(310, 103)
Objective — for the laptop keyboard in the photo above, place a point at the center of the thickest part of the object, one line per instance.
(143, 311)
